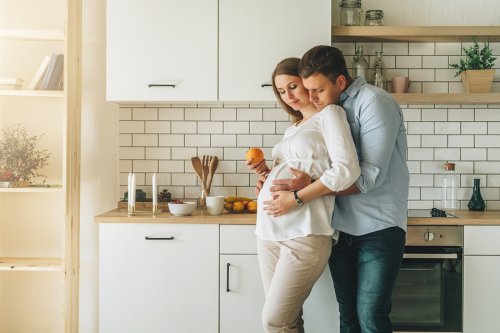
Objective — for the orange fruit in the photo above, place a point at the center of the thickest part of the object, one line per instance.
(252, 206)
(255, 154)
(238, 206)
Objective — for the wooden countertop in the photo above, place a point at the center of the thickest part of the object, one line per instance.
(464, 217)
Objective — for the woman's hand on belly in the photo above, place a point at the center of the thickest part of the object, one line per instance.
(281, 203)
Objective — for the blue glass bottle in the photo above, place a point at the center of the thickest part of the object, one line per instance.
(476, 201)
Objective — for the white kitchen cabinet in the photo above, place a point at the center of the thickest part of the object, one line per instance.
(481, 278)
(161, 50)
(244, 301)
(255, 35)
(165, 284)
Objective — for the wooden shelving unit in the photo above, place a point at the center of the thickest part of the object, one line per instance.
(30, 264)
(431, 34)
(451, 99)
(35, 35)
(415, 34)
(32, 93)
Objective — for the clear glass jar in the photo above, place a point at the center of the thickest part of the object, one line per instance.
(360, 64)
(350, 12)
(374, 17)
(449, 197)
(378, 71)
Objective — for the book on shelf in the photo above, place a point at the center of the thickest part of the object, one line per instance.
(37, 80)
(9, 84)
(54, 73)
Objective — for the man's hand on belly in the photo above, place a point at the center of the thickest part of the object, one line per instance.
(297, 182)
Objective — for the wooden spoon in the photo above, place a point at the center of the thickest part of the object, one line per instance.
(197, 166)
(211, 170)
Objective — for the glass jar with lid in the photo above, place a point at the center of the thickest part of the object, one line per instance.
(350, 12)
(374, 17)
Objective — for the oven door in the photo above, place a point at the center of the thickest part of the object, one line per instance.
(427, 296)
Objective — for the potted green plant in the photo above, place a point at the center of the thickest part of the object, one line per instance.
(20, 160)
(476, 69)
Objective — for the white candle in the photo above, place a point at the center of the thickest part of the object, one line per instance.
(155, 195)
(129, 184)
(132, 190)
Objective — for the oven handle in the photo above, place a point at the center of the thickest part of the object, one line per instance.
(430, 256)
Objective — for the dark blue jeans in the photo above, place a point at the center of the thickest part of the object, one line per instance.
(364, 270)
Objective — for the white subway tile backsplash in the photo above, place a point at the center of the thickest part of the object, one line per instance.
(237, 127)
(145, 114)
(210, 127)
(131, 127)
(170, 114)
(197, 140)
(162, 137)
(144, 140)
(158, 153)
(171, 140)
(226, 140)
(409, 62)
(249, 114)
(249, 141)
(183, 127)
(228, 114)
(157, 126)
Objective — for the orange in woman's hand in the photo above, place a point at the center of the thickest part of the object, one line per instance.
(255, 154)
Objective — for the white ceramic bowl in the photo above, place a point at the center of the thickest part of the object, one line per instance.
(181, 209)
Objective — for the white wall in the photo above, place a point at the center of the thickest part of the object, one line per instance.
(99, 165)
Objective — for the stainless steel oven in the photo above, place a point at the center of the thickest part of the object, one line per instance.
(427, 296)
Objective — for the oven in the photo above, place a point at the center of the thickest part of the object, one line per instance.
(427, 296)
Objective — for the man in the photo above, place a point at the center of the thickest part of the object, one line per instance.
(370, 215)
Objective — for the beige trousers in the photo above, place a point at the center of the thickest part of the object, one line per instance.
(289, 270)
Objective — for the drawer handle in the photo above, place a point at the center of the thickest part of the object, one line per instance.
(227, 277)
(266, 85)
(160, 85)
(158, 238)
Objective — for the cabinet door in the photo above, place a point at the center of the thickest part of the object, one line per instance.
(481, 240)
(161, 285)
(321, 310)
(241, 306)
(255, 35)
(481, 294)
(163, 42)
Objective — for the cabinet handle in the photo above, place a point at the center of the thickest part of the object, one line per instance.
(160, 85)
(266, 85)
(227, 277)
(158, 238)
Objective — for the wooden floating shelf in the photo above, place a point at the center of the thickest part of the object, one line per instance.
(31, 189)
(415, 34)
(451, 99)
(32, 93)
(30, 264)
(33, 35)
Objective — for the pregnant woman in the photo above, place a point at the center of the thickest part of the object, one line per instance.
(294, 248)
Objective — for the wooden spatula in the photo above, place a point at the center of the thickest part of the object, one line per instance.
(211, 170)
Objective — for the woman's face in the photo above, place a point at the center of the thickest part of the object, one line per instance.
(292, 91)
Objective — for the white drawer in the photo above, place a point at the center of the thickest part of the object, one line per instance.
(238, 239)
(482, 240)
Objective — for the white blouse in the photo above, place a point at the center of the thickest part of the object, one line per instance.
(322, 147)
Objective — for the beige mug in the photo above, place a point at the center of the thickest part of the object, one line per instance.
(400, 84)
(215, 205)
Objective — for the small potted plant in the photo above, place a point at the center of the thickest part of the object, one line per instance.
(20, 160)
(476, 69)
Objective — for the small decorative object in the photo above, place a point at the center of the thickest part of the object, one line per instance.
(19, 157)
(350, 12)
(378, 71)
(476, 69)
(476, 202)
(374, 17)
(164, 196)
(360, 64)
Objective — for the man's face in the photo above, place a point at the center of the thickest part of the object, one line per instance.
(322, 91)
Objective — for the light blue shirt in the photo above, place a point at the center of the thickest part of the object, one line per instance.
(379, 134)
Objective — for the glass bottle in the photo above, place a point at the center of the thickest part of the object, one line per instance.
(360, 64)
(374, 17)
(378, 71)
(449, 197)
(350, 12)
(476, 201)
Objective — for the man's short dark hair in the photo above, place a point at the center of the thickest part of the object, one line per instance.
(326, 60)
